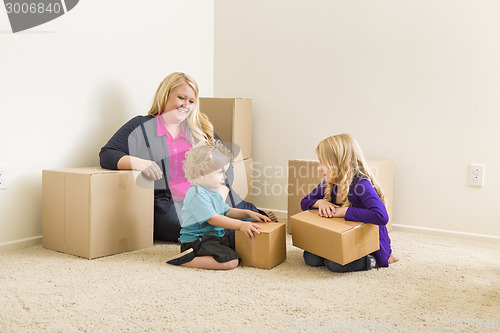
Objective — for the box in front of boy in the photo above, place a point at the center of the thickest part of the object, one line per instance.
(94, 212)
(333, 238)
(266, 250)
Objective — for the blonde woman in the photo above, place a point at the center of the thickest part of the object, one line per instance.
(349, 190)
(156, 144)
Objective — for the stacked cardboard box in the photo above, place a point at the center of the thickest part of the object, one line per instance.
(303, 177)
(232, 120)
(93, 212)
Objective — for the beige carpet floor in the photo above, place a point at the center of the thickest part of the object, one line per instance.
(441, 284)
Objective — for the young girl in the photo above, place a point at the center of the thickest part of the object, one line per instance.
(349, 190)
(205, 215)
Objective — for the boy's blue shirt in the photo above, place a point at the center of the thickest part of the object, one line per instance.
(200, 205)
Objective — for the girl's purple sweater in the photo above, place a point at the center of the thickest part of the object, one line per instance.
(366, 206)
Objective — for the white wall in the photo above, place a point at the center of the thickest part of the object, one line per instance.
(68, 85)
(413, 81)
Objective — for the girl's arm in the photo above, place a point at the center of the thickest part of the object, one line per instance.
(229, 223)
(326, 208)
(315, 200)
(309, 200)
(366, 205)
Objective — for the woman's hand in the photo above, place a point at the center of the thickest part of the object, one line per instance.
(258, 217)
(149, 168)
(249, 228)
(325, 208)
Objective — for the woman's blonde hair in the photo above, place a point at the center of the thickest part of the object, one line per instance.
(345, 161)
(197, 125)
(204, 158)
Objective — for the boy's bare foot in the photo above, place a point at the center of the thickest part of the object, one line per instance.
(272, 216)
(393, 259)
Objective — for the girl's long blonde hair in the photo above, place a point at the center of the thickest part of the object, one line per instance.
(197, 125)
(343, 157)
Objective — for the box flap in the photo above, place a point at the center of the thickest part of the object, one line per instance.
(338, 225)
(76, 214)
(268, 227)
(87, 170)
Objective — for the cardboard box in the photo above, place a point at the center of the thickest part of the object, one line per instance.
(232, 120)
(94, 212)
(333, 238)
(266, 250)
(303, 177)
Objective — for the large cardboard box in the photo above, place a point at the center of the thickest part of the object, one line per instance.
(94, 212)
(232, 120)
(266, 250)
(303, 177)
(333, 238)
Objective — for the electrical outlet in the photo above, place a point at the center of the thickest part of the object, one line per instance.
(3, 177)
(476, 175)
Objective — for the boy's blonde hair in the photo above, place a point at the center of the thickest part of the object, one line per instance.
(345, 161)
(197, 125)
(204, 158)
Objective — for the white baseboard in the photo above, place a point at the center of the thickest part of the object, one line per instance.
(21, 243)
(449, 233)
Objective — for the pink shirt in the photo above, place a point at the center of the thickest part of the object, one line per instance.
(177, 149)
